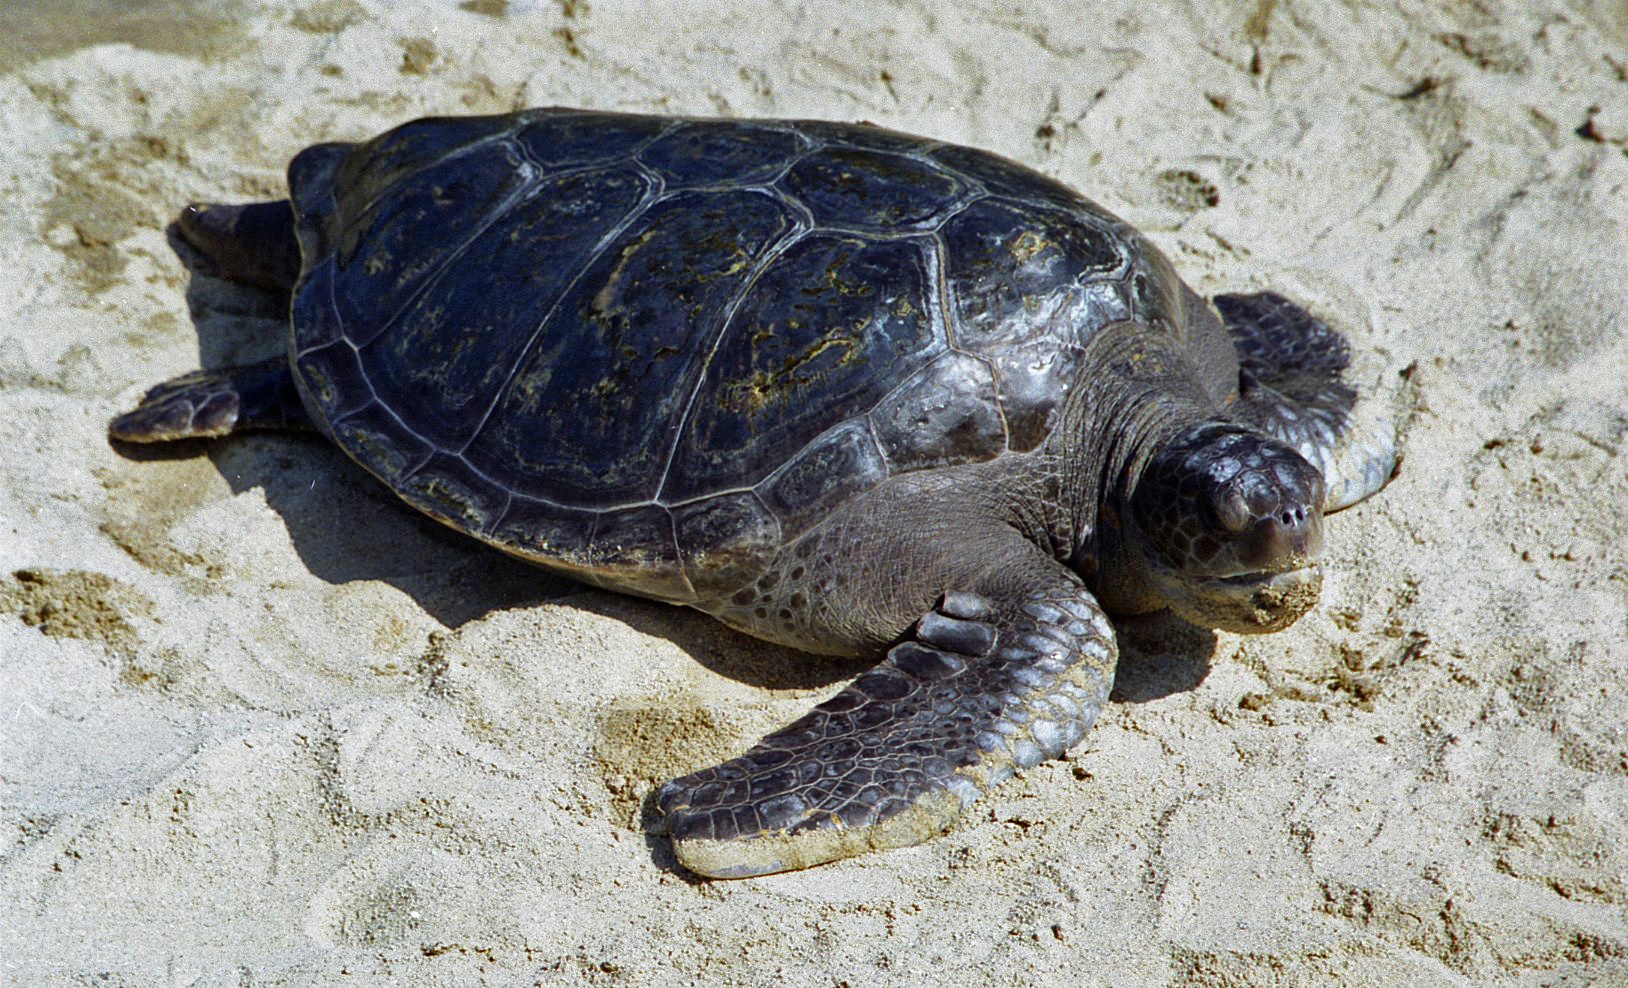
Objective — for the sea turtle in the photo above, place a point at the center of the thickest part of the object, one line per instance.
(845, 389)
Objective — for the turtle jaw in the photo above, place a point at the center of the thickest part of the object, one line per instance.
(1240, 598)
(1260, 583)
(1251, 603)
(1248, 593)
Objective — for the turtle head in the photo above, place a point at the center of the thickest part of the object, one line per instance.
(1224, 526)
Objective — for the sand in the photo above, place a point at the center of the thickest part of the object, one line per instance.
(261, 725)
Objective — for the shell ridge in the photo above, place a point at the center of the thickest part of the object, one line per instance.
(697, 498)
(434, 161)
(651, 195)
(526, 187)
(792, 237)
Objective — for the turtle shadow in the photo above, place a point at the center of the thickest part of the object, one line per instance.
(347, 526)
(1160, 655)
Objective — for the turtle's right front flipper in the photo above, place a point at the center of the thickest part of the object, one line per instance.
(1294, 384)
(982, 688)
(205, 404)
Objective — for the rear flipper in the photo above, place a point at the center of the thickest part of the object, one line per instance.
(251, 244)
(204, 404)
(1292, 386)
(898, 756)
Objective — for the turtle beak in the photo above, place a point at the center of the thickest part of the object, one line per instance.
(1286, 541)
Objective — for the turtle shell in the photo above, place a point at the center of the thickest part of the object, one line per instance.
(651, 351)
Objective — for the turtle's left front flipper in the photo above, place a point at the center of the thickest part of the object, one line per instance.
(981, 688)
(207, 404)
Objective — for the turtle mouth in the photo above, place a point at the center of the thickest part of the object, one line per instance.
(1283, 579)
(1250, 602)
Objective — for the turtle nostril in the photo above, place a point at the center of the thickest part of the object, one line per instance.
(1276, 539)
(1293, 518)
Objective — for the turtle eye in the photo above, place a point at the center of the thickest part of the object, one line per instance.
(1232, 511)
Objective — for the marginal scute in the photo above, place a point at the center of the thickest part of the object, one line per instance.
(310, 182)
(835, 467)
(946, 414)
(863, 135)
(636, 549)
(446, 489)
(1004, 177)
(332, 376)
(726, 539)
(378, 442)
(1155, 298)
(544, 532)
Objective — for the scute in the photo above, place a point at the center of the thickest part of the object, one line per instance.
(636, 548)
(588, 415)
(443, 359)
(446, 488)
(386, 251)
(545, 532)
(720, 153)
(724, 540)
(1028, 285)
(376, 167)
(373, 434)
(1020, 271)
(1002, 177)
(946, 414)
(869, 190)
(843, 462)
(865, 136)
(827, 330)
(560, 139)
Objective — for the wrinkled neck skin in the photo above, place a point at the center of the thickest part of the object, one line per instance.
(1143, 392)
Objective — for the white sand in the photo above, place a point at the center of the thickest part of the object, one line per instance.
(260, 725)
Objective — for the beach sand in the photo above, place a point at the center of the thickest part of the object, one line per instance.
(261, 724)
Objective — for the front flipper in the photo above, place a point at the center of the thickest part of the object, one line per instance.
(1292, 385)
(205, 404)
(979, 691)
